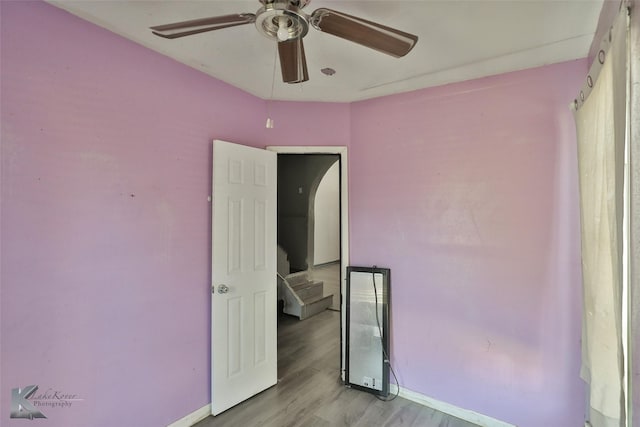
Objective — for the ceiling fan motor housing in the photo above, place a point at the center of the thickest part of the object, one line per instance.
(274, 14)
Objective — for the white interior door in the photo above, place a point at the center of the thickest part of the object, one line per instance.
(243, 298)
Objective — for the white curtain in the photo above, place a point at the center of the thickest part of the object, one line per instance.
(601, 123)
(634, 218)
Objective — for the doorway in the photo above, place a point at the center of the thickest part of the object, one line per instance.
(309, 232)
(243, 289)
(313, 254)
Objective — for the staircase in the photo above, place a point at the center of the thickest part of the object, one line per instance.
(302, 297)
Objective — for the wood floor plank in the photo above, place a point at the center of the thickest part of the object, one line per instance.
(310, 393)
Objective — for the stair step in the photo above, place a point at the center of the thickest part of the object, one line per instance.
(315, 306)
(297, 278)
(303, 297)
(310, 291)
(304, 285)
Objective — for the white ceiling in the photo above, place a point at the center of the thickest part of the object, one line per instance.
(458, 40)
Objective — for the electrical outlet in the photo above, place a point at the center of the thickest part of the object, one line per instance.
(367, 381)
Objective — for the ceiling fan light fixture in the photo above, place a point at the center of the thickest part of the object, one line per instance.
(283, 28)
(278, 19)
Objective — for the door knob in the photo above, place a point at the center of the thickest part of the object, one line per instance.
(223, 289)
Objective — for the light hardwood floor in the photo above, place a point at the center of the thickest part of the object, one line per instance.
(309, 391)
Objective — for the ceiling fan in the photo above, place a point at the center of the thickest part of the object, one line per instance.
(286, 22)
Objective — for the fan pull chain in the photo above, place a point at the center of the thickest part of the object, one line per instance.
(269, 124)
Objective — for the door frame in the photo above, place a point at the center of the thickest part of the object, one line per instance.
(344, 222)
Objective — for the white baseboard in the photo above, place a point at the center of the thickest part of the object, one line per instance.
(193, 418)
(463, 414)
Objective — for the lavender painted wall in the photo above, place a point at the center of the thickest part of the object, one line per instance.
(468, 193)
(105, 224)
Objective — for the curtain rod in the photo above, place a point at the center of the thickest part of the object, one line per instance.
(622, 18)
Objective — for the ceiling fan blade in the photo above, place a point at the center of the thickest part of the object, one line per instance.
(370, 34)
(292, 61)
(195, 26)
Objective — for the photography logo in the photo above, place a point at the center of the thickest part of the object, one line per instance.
(26, 403)
(21, 407)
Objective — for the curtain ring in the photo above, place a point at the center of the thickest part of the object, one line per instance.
(575, 104)
(582, 96)
(589, 81)
(601, 56)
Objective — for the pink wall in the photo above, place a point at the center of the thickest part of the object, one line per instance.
(105, 228)
(468, 193)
